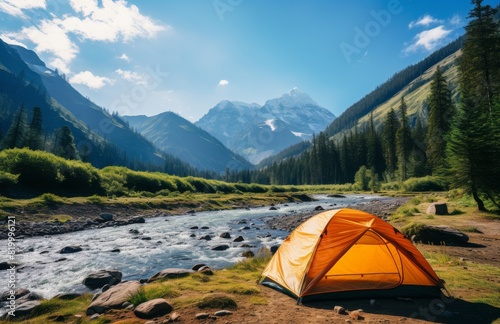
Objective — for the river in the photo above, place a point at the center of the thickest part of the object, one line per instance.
(44, 270)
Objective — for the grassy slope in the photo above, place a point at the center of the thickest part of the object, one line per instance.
(415, 97)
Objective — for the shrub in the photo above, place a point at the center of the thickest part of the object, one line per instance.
(428, 183)
(138, 298)
(50, 199)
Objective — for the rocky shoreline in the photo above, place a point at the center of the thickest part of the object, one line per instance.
(381, 208)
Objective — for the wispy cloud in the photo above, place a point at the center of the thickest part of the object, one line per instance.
(90, 80)
(425, 21)
(106, 21)
(124, 57)
(428, 39)
(223, 83)
(456, 20)
(131, 76)
(16, 7)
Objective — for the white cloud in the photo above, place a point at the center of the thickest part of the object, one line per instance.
(16, 7)
(455, 20)
(223, 83)
(424, 21)
(90, 80)
(428, 39)
(124, 57)
(106, 20)
(113, 21)
(131, 76)
(12, 41)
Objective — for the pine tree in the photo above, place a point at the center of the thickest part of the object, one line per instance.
(391, 126)
(16, 135)
(474, 144)
(65, 144)
(35, 130)
(440, 114)
(404, 141)
(374, 152)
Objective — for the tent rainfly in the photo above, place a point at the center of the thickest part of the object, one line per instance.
(346, 253)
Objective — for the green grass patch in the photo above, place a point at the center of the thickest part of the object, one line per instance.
(219, 301)
(470, 229)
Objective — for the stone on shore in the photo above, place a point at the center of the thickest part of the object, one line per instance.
(106, 217)
(114, 297)
(102, 277)
(222, 247)
(153, 308)
(170, 273)
(437, 209)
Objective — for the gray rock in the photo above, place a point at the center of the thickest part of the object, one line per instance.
(437, 209)
(196, 267)
(102, 277)
(106, 216)
(202, 315)
(223, 313)
(153, 308)
(206, 270)
(319, 208)
(225, 235)
(440, 234)
(25, 308)
(239, 239)
(222, 247)
(114, 297)
(17, 294)
(205, 237)
(136, 220)
(70, 249)
(170, 273)
(274, 248)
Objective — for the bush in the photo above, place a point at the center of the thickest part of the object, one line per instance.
(44, 171)
(219, 301)
(50, 199)
(428, 183)
(366, 179)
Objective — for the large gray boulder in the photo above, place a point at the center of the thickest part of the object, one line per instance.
(437, 209)
(153, 308)
(70, 249)
(441, 234)
(114, 297)
(102, 277)
(170, 273)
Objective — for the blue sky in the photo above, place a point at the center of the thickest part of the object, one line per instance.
(146, 57)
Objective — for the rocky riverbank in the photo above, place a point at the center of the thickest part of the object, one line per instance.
(382, 208)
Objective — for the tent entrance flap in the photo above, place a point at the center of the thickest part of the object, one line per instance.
(371, 263)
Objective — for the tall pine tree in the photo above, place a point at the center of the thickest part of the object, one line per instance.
(16, 135)
(35, 131)
(391, 126)
(65, 144)
(474, 146)
(440, 114)
(404, 141)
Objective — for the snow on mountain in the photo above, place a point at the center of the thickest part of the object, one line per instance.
(256, 132)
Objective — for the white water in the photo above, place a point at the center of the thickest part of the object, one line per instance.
(170, 246)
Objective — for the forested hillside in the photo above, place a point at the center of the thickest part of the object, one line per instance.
(457, 142)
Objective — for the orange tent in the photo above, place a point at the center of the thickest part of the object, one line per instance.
(347, 253)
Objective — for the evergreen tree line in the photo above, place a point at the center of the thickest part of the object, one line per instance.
(460, 143)
(30, 134)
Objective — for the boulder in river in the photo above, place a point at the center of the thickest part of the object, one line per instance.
(239, 239)
(102, 277)
(220, 247)
(70, 249)
(225, 235)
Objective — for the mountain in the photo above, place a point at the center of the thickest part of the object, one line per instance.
(181, 138)
(257, 132)
(97, 121)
